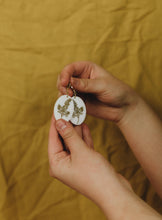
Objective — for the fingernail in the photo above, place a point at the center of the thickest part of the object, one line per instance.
(61, 125)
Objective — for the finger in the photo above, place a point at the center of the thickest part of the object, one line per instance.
(59, 87)
(87, 136)
(89, 85)
(100, 110)
(75, 69)
(59, 94)
(78, 129)
(70, 136)
(54, 143)
(64, 90)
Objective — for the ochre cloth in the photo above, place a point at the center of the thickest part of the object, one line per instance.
(37, 39)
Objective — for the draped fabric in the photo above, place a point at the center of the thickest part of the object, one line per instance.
(37, 39)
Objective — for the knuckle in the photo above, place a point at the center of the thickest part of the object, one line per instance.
(104, 82)
(59, 156)
(84, 84)
(68, 133)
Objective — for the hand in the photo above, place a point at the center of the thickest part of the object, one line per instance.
(81, 168)
(105, 96)
(86, 171)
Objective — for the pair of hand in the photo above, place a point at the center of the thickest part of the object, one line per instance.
(81, 167)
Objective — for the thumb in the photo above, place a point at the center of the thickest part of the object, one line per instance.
(71, 138)
(88, 85)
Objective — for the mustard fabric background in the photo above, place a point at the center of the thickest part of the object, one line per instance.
(37, 39)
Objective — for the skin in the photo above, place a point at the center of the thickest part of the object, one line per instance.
(84, 169)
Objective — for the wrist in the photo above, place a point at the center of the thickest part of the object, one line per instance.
(132, 104)
(114, 198)
(116, 204)
(125, 204)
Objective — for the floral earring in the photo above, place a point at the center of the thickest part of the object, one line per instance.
(70, 108)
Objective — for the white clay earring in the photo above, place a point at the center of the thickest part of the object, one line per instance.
(79, 112)
(70, 108)
(64, 108)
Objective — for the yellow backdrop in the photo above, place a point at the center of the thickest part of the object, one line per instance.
(37, 39)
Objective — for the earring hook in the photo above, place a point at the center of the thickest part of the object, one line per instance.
(70, 87)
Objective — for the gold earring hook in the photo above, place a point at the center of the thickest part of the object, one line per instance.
(70, 87)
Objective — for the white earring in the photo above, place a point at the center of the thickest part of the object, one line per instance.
(79, 112)
(70, 108)
(64, 108)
